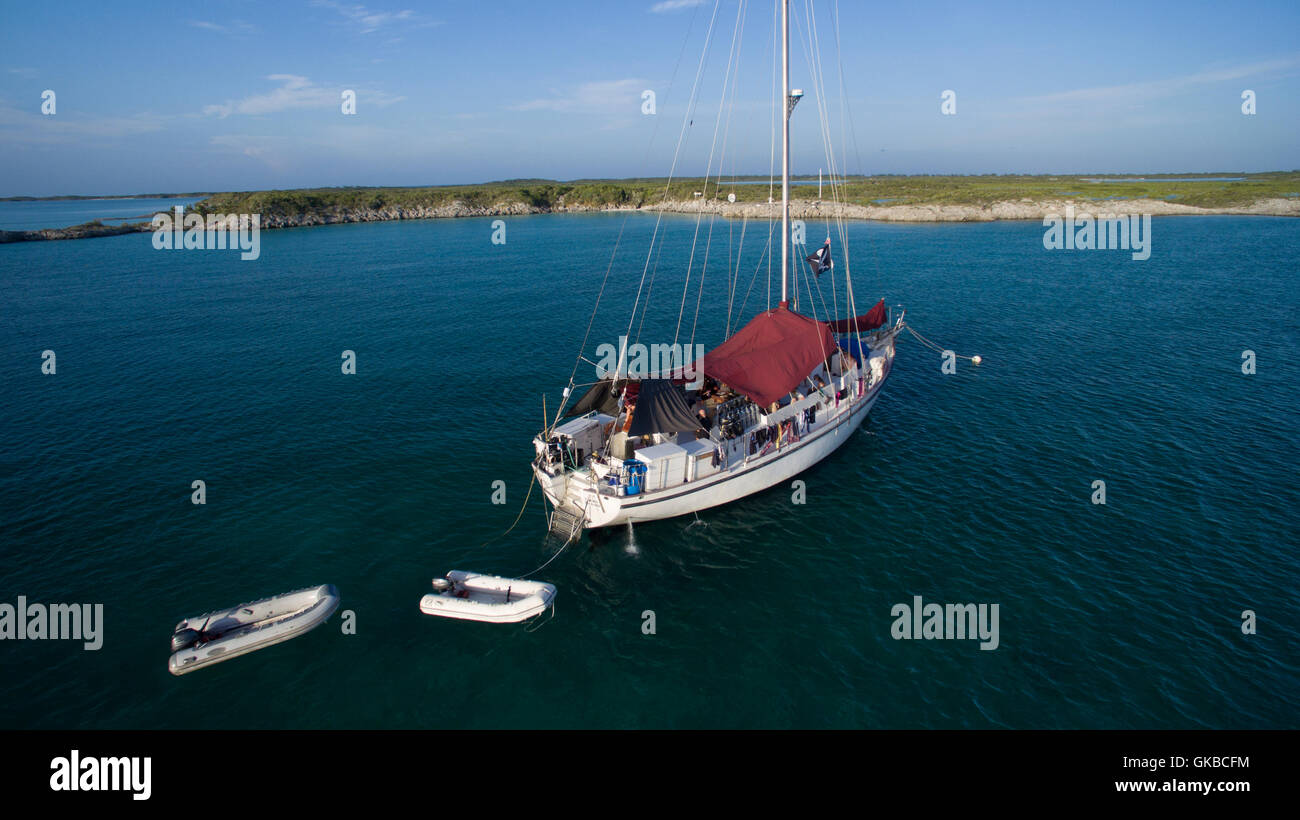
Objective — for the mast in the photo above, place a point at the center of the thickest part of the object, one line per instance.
(785, 145)
(790, 99)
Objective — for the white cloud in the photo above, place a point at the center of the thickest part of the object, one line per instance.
(234, 27)
(367, 20)
(673, 5)
(1149, 89)
(600, 97)
(18, 126)
(295, 91)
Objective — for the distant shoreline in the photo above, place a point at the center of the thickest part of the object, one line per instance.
(88, 198)
(988, 198)
(997, 212)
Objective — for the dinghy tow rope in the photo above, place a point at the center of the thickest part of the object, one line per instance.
(527, 496)
(938, 349)
(572, 538)
(519, 517)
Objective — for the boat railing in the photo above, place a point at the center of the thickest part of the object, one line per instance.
(795, 408)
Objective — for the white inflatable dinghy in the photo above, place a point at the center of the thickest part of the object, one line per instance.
(219, 636)
(488, 598)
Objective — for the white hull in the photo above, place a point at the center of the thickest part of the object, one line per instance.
(489, 598)
(743, 477)
(253, 626)
(761, 474)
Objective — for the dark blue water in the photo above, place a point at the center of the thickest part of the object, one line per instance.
(35, 215)
(965, 488)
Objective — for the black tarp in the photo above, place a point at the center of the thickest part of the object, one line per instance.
(601, 397)
(661, 408)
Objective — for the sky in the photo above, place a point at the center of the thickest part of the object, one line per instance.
(247, 94)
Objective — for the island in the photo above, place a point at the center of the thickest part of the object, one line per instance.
(890, 198)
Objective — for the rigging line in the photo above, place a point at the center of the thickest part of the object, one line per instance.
(686, 120)
(738, 41)
(592, 319)
(810, 280)
(839, 59)
(839, 54)
(837, 185)
(652, 249)
(645, 161)
(737, 37)
(815, 60)
(708, 169)
(649, 292)
(771, 156)
(816, 280)
(733, 259)
(767, 252)
(699, 297)
(703, 270)
(735, 282)
(824, 112)
(812, 53)
(810, 50)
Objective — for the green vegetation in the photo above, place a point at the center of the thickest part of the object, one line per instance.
(85, 230)
(985, 190)
(877, 190)
(543, 194)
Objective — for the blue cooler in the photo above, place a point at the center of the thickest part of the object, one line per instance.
(635, 472)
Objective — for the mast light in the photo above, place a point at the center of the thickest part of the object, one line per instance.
(795, 95)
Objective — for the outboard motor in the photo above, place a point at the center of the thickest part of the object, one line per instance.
(441, 585)
(184, 639)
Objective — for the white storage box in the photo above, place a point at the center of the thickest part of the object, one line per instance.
(699, 458)
(665, 465)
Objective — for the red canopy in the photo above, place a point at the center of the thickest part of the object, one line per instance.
(771, 355)
(870, 320)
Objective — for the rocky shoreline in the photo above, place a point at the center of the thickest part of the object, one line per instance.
(1023, 209)
(87, 231)
(801, 209)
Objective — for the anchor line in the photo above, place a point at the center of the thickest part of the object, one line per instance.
(527, 496)
(936, 348)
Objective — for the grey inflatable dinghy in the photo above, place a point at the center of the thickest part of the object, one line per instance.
(219, 636)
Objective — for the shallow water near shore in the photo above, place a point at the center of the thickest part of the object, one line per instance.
(965, 488)
(36, 215)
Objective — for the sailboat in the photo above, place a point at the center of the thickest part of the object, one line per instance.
(776, 397)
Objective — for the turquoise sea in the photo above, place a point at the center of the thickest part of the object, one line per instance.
(975, 487)
(35, 215)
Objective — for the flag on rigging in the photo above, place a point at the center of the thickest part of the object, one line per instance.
(821, 260)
